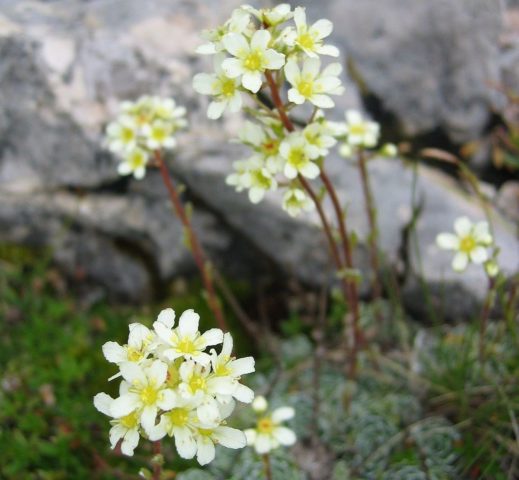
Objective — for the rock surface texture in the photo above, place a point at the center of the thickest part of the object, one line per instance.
(66, 65)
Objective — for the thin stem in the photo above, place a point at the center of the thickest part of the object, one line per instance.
(196, 248)
(266, 466)
(487, 307)
(278, 102)
(157, 464)
(371, 213)
(354, 291)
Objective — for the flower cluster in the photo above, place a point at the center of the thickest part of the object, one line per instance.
(171, 386)
(143, 127)
(254, 47)
(269, 432)
(471, 242)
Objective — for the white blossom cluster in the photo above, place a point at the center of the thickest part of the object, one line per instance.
(279, 42)
(143, 127)
(171, 386)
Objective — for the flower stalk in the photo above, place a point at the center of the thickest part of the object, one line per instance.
(196, 249)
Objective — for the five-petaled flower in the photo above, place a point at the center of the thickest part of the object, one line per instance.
(470, 242)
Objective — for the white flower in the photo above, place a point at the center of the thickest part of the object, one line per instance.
(264, 143)
(226, 90)
(252, 58)
(299, 156)
(241, 178)
(470, 243)
(238, 23)
(206, 438)
(310, 38)
(203, 387)
(269, 433)
(147, 392)
(167, 109)
(134, 162)
(226, 366)
(122, 135)
(185, 340)
(179, 422)
(125, 428)
(271, 16)
(361, 132)
(309, 84)
(295, 201)
(159, 134)
(321, 135)
(136, 350)
(253, 175)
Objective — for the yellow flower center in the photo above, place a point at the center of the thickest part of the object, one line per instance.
(306, 88)
(173, 378)
(270, 147)
(149, 395)
(228, 87)
(127, 135)
(253, 61)
(306, 41)
(130, 421)
(186, 346)
(178, 416)
(205, 432)
(137, 160)
(197, 382)
(467, 244)
(222, 369)
(261, 180)
(265, 425)
(159, 133)
(297, 158)
(134, 354)
(357, 129)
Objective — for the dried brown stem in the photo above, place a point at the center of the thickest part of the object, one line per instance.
(196, 248)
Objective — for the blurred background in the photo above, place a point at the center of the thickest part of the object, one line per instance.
(83, 251)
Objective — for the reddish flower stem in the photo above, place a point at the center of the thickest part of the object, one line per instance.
(196, 249)
(349, 286)
(371, 213)
(157, 466)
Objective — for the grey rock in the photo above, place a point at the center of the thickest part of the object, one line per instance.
(428, 63)
(508, 200)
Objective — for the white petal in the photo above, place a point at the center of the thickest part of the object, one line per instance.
(206, 450)
(158, 431)
(274, 60)
(168, 401)
(162, 331)
(203, 83)
(328, 84)
(292, 71)
(227, 344)
(290, 171)
(230, 437)
(148, 416)
(299, 17)
(208, 412)
(462, 226)
(242, 366)
(251, 81)
(114, 353)
(322, 28)
(353, 117)
(256, 195)
(322, 101)
(263, 443)
(222, 385)
(479, 255)
(235, 103)
(243, 393)
(158, 372)
(284, 436)
(188, 323)
(460, 262)
(214, 336)
(330, 50)
(215, 110)
(295, 97)
(116, 433)
(281, 414)
(132, 372)
(167, 317)
(102, 402)
(310, 170)
(250, 436)
(260, 40)
(448, 241)
(124, 405)
(139, 334)
(130, 442)
(124, 168)
(232, 67)
(185, 443)
(311, 67)
(236, 44)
